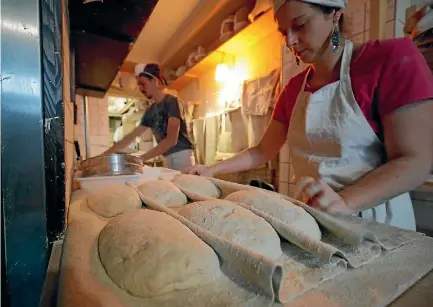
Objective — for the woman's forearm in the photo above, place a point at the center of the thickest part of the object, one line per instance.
(391, 179)
(247, 159)
(268, 147)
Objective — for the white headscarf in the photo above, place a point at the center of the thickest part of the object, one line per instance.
(276, 4)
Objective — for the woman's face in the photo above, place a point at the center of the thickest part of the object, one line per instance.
(306, 29)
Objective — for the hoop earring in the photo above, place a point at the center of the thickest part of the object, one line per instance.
(335, 39)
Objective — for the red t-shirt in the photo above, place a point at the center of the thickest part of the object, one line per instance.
(391, 73)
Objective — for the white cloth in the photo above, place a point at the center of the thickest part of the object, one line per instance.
(259, 94)
(330, 138)
(256, 126)
(139, 69)
(180, 161)
(118, 134)
(276, 4)
(199, 137)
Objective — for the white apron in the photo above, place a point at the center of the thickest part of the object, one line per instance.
(330, 138)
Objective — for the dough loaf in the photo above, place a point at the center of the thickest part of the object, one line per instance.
(164, 192)
(114, 200)
(148, 253)
(198, 185)
(235, 223)
(282, 209)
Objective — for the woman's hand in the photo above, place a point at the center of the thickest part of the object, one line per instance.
(201, 170)
(318, 194)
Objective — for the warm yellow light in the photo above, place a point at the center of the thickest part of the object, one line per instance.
(240, 72)
(222, 73)
(231, 80)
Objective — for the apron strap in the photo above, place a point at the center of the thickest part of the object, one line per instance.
(346, 59)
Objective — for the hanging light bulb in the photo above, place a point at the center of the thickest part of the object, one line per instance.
(221, 73)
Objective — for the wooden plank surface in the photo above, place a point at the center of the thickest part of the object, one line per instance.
(419, 295)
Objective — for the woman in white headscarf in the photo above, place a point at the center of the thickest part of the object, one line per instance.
(358, 121)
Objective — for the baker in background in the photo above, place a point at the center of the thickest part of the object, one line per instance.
(358, 120)
(166, 117)
(421, 18)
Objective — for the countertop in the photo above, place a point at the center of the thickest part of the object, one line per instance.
(405, 274)
(419, 295)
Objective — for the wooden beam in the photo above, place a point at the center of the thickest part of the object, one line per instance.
(377, 21)
(129, 67)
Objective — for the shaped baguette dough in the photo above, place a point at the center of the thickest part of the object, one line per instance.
(114, 200)
(164, 192)
(197, 185)
(149, 253)
(236, 224)
(279, 208)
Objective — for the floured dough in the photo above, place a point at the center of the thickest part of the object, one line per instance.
(114, 200)
(163, 192)
(197, 185)
(282, 209)
(235, 223)
(149, 253)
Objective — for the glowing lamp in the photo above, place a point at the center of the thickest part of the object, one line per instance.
(221, 73)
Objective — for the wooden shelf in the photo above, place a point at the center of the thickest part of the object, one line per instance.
(235, 46)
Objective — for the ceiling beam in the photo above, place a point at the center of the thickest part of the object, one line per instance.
(105, 32)
(128, 67)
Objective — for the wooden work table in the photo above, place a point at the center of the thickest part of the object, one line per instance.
(401, 278)
(419, 295)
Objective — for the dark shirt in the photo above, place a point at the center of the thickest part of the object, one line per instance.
(156, 117)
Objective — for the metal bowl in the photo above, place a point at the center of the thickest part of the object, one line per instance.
(111, 165)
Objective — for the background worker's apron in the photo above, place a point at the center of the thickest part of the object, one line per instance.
(180, 161)
(330, 138)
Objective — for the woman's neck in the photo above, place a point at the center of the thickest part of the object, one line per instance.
(323, 69)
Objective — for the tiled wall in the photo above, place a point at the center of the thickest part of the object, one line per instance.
(358, 20)
(98, 126)
(285, 178)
